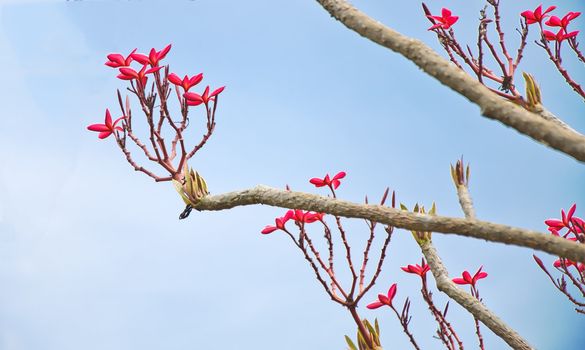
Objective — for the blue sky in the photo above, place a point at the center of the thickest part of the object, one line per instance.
(92, 255)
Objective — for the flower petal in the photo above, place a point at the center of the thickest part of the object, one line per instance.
(269, 229)
(173, 78)
(98, 127)
(374, 305)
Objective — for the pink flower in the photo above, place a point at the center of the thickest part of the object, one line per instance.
(574, 224)
(326, 181)
(194, 99)
(279, 223)
(116, 60)
(153, 58)
(127, 73)
(444, 21)
(417, 269)
(384, 299)
(467, 279)
(554, 21)
(186, 82)
(537, 16)
(559, 36)
(108, 127)
(306, 216)
(558, 264)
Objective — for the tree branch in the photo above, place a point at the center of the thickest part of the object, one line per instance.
(389, 216)
(492, 106)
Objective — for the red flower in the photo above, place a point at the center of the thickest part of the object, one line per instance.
(384, 299)
(194, 99)
(306, 216)
(417, 269)
(467, 279)
(153, 57)
(116, 60)
(186, 82)
(554, 21)
(537, 16)
(279, 223)
(559, 36)
(127, 73)
(444, 21)
(574, 224)
(108, 128)
(579, 266)
(326, 181)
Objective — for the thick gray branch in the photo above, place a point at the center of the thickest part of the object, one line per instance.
(397, 218)
(471, 304)
(492, 106)
(465, 201)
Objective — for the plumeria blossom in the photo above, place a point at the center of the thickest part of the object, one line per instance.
(573, 224)
(186, 83)
(116, 60)
(108, 127)
(279, 223)
(445, 20)
(194, 99)
(306, 216)
(153, 58)
(537, 15)
(384, 299)
(554, 21)
(127, 73)
(417, 269)
(559, 263)
(326, 181)
(559, 36)
(467, 279)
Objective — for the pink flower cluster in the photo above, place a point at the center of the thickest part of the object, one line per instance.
(537, 16)
(150, 64)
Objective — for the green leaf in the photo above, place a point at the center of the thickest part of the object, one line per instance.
(179, 189)
(350, 343)
(433, 209)
(361, 341)
(373, 332)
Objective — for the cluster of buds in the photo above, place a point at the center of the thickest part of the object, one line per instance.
(572, 228)
(192, 190)
(173, 156)
(537, 16)
(363, 344)
(421, 236)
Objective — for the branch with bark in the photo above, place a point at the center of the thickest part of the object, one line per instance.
(492, 106)
(393, 217)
